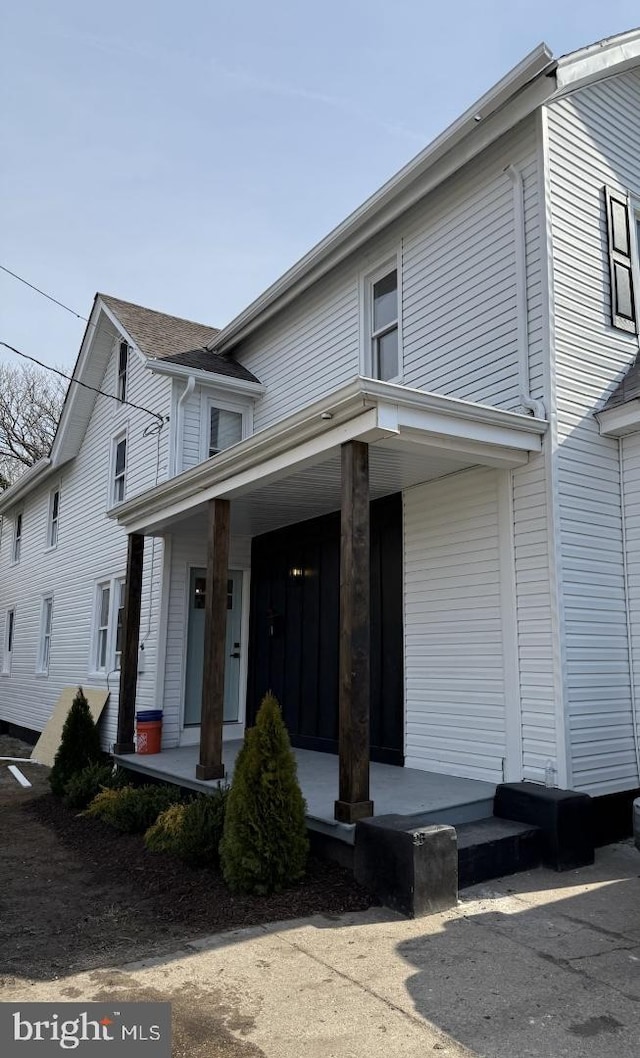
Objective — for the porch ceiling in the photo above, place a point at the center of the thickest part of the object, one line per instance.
(291, 471)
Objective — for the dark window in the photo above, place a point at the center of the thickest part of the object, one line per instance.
(384, 327)
(123, 357)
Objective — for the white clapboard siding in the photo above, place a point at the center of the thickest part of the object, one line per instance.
(594, 139)
(534, 615)
(192, 430)
(453, 627)
(459, 310)
(188, 550)
(91, 548)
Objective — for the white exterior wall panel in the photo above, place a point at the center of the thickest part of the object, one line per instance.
(459, 304)
(594, 139)
(453, 613)
(91, 548)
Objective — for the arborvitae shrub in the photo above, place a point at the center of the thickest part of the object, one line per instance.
(191, 831)
(86, 784)
(79, 745)
(265, 846)
(132, 809)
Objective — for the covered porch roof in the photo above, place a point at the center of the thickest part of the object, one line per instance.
(291, 471)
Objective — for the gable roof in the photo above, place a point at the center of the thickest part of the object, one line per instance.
(207, 360)
(157, 334)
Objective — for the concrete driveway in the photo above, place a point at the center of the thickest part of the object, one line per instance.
(536, 965)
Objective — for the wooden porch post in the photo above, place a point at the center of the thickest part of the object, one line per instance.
(355, 637)
(215, 635)
(130, 636)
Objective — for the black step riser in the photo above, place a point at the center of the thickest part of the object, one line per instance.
(494, 859)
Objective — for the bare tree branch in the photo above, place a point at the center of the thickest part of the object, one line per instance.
(30, 405)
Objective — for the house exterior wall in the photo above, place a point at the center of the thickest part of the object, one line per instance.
(91, 548)
(593, 139)
(457, 253)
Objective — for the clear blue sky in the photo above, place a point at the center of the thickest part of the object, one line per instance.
(183, 155)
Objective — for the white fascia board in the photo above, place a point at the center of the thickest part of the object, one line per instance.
(341, 415)
(526, 87)
(604, 59)
(240, 386)
(617, 422)
(27, 481)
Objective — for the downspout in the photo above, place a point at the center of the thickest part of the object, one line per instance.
(529, 403)
(188, 390)
(627, 597)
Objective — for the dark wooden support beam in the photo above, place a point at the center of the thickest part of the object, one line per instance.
(215, 637)
(355, 637)
(125, 742)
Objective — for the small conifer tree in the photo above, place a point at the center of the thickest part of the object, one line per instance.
(264, 846)
(79, 745)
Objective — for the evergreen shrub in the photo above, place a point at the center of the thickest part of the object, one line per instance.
(86, 784)
(132, 809)
(79, 745)
(265, 846)
(192, 832)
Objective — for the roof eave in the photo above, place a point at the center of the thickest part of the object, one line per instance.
(205, 378)
(21, 488)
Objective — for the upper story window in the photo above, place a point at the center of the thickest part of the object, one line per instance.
(54, 513)
(123, 360)
(382, 337)
(9, 632)
(17, 537)
(224, 423)
(623, 229)
(225, 429)
(119, 468)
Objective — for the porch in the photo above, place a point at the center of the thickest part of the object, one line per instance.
(394, 791)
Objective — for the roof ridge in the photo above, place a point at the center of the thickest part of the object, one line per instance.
(156, 312)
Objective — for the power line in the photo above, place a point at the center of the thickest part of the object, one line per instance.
(56, 371)
(43, 293)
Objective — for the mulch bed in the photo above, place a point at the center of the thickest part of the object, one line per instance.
(196, 899)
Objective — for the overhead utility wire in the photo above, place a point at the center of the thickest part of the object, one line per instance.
(44, 294)
(85, 385)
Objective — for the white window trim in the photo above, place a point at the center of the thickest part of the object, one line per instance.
(44, 654)
(367, 281)
(113, 584)
(212, 400)
(17, 541)
(7, 654)
(121, 435)
(52, 545)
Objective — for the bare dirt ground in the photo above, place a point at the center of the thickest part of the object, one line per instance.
(77, 896)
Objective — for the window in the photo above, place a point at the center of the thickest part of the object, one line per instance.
(107, 648)
(54, 510)
(102, 629)
(17, 538)
(119, 468)
(225, 429)
(45, 635)
(9, 632)
(123, 357)
(382, 337)
(623, 229)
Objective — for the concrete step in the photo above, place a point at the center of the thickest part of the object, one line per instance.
(490, 848)
(454, 815)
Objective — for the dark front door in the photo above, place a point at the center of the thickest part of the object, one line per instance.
(295, 607)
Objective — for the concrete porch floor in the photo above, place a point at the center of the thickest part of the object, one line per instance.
(401, 791)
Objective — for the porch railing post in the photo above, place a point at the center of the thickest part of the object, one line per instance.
(215, 634)
(130, 635)
(355, 637)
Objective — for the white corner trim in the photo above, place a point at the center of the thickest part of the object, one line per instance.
(509, 620)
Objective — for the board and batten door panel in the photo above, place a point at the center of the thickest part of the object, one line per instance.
(460, 641)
